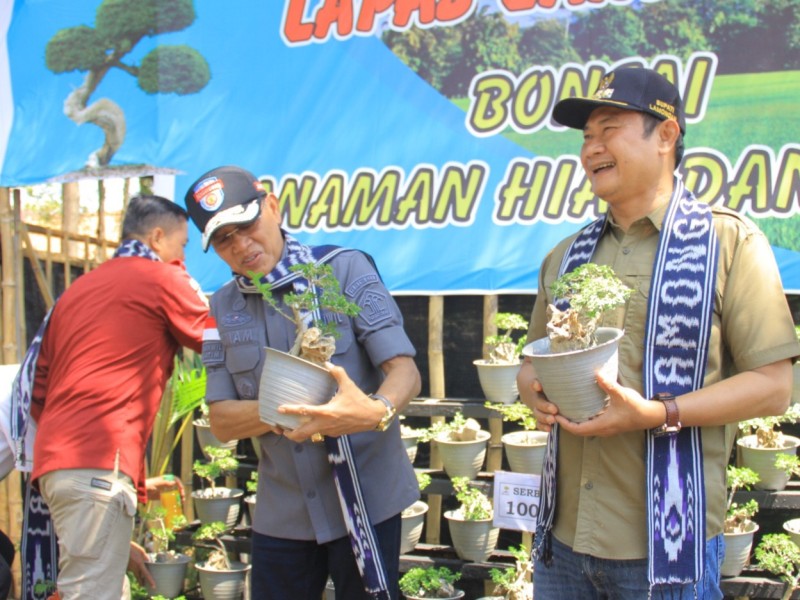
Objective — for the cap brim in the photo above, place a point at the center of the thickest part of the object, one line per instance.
(236, 215)
(574, 112)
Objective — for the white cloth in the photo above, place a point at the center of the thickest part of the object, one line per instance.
(7, 447)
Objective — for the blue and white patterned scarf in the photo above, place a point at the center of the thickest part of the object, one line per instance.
(340, 452)
(39, 545)
(675, 358)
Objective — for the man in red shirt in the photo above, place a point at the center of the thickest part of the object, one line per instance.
(104, 362)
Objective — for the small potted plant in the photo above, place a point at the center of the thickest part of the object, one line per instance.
(760, 443)
(739, 527)
(410, 437)
(205, 437)
(461, 443)
(575, 348)
(498, 373)
(299, 376)
(524, 449)
(166, 566)
(779, 555)
(514, 583)
(217, 503)
(471, 529)
(219, 576)
(430, 582)
(250, 500)
(412, 519)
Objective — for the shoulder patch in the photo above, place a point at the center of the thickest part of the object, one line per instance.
(359, 284)
(374, 307)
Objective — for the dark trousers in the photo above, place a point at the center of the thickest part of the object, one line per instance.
(298, 570)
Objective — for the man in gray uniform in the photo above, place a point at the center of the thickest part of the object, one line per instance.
(299, 533)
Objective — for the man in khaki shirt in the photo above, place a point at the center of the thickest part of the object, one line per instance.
(633, 140)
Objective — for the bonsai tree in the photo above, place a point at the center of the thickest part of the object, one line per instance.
(788, 463)
(221, 462)
(475, 505)
(316, 343)
(738, 517)
(502, 348)
(592, 290)
(516, 412)
(423, 479)
(459, 429)
(430, 582)
(765, 428)
(779, 555)
(213, 532)
(514, 583)
(162, 535)
(119, 26)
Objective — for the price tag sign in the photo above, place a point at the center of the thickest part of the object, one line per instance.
(516, 500)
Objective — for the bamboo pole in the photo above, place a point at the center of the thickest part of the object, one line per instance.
(494, 458)
(21, 340)
(38, 274)
(437, 390)
(9, 284)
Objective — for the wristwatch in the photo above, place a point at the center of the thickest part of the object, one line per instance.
(673, 422)
(388, 417)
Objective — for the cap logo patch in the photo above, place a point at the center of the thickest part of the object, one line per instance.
(604, 90)
(209, 193)
(665, 109)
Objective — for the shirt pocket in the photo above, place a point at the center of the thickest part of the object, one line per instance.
(242, 363)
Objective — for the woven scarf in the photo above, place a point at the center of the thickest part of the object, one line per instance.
(675, 355)
(39, 545)
(339, 449)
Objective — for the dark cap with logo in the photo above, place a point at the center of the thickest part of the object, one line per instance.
(630, 88)
(223, 196)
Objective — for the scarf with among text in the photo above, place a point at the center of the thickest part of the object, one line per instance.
(340, 453)
(675, 356)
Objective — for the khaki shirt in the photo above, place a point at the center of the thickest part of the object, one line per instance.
(601, 495)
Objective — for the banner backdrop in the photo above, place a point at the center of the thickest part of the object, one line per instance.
(418, 131)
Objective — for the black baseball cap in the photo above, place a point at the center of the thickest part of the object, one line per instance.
(223, 196)
(631, 88)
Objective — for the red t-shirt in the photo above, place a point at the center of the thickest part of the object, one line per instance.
(105, 359)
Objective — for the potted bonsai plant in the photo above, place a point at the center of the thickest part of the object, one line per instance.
(760, 444)
(739, 527)
(779, 555)
(430, 582)
(412, 519)
(220, 577)
(410, 437)
(514, 583)
(498, 373)
(461, 443)
(524, 449)
(313, 346)
(167, 567)
(575, 347)
(205, 437)
(471, 529)
(217, 503)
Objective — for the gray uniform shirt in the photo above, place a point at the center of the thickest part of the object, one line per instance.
(297, 497)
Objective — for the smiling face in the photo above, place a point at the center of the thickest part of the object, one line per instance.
(622, 162)
(255, 247)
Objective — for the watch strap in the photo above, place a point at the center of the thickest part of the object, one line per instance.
(672, 423)
(388, 417)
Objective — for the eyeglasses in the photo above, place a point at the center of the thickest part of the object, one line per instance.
(224, 241)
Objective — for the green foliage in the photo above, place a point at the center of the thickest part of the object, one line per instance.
(591, 289)
(132, 20)
(516, 412)
(765, 430)
(75, 49)
(252, 483)
(221, 461)
(611, 34)
(788, 463)
(502, 347)
(213, 532)
(423, 479)
(323, 293)
(448, 430)
(475, 505)
(738, 517)
(427, 582)
(779, 555)
(173, 69)
(514, 582)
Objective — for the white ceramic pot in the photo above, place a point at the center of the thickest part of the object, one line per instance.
(762, 460)
(223, 584)
(206, 438)
(792, 528)
(737, 551)
(568, 378)
(287, 379)
(411, 442)
(224, 506)
(458, 596)
(472, 540)
(498, 381)
(463, 459)
(412, 521)
(525, 450)
(168, 574)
